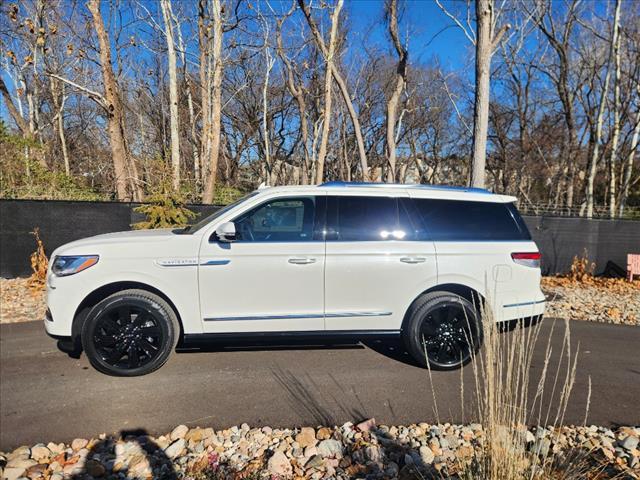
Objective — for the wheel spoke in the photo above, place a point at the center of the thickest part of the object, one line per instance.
(134, 359)
(105, 340)
(116, 354)
(147, 347)
(109, 326)
(152, 331)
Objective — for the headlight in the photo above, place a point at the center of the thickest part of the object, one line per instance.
(68, 265)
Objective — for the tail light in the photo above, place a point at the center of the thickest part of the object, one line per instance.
(528, 259)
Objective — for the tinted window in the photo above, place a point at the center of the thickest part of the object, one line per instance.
(367, 219)
(469, 221)
(281, 220)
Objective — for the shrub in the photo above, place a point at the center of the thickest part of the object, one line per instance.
(165, 209)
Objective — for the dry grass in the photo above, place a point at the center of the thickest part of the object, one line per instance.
(39, 265)
(508, 397)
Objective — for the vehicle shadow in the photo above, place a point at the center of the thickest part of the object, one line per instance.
(139, 457)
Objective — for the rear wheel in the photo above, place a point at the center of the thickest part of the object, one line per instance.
(444, 330)
(130, 333)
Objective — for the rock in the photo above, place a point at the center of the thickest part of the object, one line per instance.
(40, 452)
(367, 425)
(36, 471)
(94, 468)
(323, 433)
(21, 462)
(541, 447)
(307, 438)
(330, 448)
(56, 476)
(175, 449)
(629, 443)
(426, 455)
(280, 465)
(314, 462)
(179, 432)
(12, 473)
(194, 435)
(55, 448)
(79, 443)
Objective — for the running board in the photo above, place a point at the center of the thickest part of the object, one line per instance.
(316, 335)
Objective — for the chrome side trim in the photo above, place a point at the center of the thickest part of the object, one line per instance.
(298, 316)
(524, 304)
(357, 314)
(215, 262)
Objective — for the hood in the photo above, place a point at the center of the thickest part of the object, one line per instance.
(83, 246)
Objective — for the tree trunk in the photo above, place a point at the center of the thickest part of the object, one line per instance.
(328, 80)
(593, 160)
(21, 123)
(174, 118)
(401, 76)
(205, 87)
(216, 103)
(58, 103)
(481, 104)
(114, 106)
(613, 159)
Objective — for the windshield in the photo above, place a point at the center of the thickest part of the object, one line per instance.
(208, 219)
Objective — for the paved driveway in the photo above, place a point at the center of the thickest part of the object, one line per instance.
(45, 395)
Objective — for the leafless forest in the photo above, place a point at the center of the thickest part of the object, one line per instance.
(120, 99)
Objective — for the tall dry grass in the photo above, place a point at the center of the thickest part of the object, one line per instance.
(521, 407)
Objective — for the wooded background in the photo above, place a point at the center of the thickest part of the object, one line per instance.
(208, 98)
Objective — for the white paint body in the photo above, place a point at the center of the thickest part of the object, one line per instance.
(330, 286)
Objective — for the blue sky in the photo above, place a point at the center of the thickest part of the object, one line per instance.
(432, 33)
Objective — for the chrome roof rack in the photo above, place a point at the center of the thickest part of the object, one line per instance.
(337, 183)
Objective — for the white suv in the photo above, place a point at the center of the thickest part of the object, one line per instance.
(334, 260)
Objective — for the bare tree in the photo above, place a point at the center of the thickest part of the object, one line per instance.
(595, 153)
(486, 39)
(123, 167)
(339, 80)
(212, 89)
(174, 118)
(400, 82)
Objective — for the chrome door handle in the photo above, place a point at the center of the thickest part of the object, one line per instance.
(413, 259)
(302, 261)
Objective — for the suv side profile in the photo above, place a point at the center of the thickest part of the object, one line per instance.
(334, 260)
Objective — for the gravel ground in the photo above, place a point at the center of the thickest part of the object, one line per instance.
(19, 303)
(365, 450)
(596, 300)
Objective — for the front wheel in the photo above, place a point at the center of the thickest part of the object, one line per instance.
(130, 333)
(443, 331)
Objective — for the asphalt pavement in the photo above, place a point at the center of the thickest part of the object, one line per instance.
(47, 396)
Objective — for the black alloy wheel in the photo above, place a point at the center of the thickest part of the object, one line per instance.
(130, 333)
(443, 330)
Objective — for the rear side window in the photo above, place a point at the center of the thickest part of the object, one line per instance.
(459, 220)
(367, 219)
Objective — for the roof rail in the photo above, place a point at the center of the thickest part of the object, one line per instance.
(338, 183)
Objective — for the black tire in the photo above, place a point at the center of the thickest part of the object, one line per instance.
(443, 328)
(130, 333)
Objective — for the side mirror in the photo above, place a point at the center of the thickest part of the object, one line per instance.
(226, 232)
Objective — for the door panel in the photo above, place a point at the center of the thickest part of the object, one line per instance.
(371, 280)
(272, 277)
